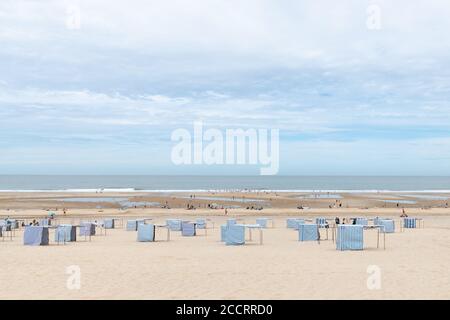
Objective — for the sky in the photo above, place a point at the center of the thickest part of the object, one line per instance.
(98, 87)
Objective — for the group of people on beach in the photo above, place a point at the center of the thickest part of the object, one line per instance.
(336, 204)
(337, 220)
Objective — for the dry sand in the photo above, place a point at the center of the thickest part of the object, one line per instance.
(415, 264)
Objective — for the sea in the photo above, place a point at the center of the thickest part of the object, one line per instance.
(185, 183)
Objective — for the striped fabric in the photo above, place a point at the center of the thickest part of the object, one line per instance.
(201, 223)
(235, 235)
(409, 223)
(35, 236)
(292, 223)
(87, 229)
(108, 223)
(350, 237)
(321, 221)
(308, 232)
(188, 229)
(262, 222)
(362, 221)
(45, 222)
(174, 224)
(131, 225)
(388, 225)
(65, 233)
(146, 232)
(223, 233)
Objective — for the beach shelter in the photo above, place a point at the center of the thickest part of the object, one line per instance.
(292, 223)
(139, 221)
(5, 225)
(65, 233)
(188, 229)
(321, 222)
(146, 232)
(231, 222)
(350, 237)
(13, 224)
(131, 225)
(108, 223)
(174, 224)
(223, 232)
(200, 223)
(362, 221)
(388, 225)
(410, 223)
(262, 222)
(235, 235)
(45, 222)
(308, 232)
(87, 229)
(35, 236)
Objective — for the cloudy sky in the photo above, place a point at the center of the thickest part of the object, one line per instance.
(97, 87)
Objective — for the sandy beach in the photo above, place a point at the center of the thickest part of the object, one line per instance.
(414, 264)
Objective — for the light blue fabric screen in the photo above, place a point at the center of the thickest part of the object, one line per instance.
(146, 232)
(292, 223)
(61, 234)
(231, 222)
(262, 222)
(188, 229)
(45, 222)
(65, 233)
(109, 223)
(350, 237)
(87, 229)
(308, 232)
(223, 232)
(409, 223)
(388, 225)
(362, 221)
(201, 223)
(35, 236)
(174, 224)
(235, 235)
(131, 225)
(321, 221)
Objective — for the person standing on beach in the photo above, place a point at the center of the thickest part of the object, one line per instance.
(226, 211)
(403, 215)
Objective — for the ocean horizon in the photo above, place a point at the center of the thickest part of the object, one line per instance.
(198, 183)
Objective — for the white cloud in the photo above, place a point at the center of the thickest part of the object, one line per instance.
(310, 68)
